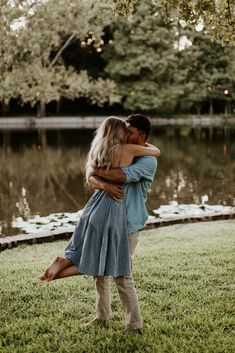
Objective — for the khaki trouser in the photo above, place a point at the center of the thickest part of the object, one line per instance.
(127, 293)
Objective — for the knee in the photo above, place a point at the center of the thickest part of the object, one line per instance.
(101, 280)
(122, 279)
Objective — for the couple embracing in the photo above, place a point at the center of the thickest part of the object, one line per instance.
(120, 166)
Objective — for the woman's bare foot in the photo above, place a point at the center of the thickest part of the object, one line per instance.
(42, 277)
(57, 265)
(67, 272)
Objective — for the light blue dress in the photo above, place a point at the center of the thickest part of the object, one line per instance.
(99, 245)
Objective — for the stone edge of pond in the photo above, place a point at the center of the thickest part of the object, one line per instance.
(49, 236)
(76, 122)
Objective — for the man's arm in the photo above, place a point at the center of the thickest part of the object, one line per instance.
(143, 168)
(116, 175)
(113, 190)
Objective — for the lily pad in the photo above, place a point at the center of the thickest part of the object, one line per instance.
(55, 221)
(169, 211)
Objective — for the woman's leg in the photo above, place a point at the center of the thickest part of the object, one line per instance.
(67, 272)
(57, 265)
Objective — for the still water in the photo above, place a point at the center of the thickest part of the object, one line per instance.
(197, 166)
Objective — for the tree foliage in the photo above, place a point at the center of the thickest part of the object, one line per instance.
(163, 66)
(146, 67)
(218, 16)
(142, 59)
(210, 76)
(34, 36)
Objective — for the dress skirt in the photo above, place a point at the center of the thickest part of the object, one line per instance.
(99, 245)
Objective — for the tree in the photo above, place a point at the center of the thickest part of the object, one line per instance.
(218, 16)
(35, 34)
(168, 67)
(142, 60)
(209, 72)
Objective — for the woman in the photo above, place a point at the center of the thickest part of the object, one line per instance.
(99, 245)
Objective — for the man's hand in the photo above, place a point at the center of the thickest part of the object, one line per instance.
(113, 190)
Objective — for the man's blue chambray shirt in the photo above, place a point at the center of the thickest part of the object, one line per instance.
(139, 177)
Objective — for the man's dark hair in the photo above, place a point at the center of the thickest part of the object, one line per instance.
(140, 122)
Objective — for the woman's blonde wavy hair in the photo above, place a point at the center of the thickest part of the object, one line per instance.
(112, 132)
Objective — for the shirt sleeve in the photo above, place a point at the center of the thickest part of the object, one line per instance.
(142, 168)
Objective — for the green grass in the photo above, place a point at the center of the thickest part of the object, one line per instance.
(185, 275)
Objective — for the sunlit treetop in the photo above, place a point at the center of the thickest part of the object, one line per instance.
(218, 16)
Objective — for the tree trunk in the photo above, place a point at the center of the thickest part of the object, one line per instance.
(4, 108)
(227, 107)
(199, 108)
(230, 107)
(177, 107)
(38, 110)
(42, 107)
(211, 107)
(58, 107)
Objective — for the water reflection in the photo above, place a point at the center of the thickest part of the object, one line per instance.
(197, 166)
(40, 181)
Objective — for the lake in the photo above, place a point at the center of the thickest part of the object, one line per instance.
(43, 172)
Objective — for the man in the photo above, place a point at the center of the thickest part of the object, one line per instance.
(138, 178)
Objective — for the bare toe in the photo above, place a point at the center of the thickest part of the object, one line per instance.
(42, 277)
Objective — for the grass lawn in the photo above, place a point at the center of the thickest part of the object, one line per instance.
(185, 275)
